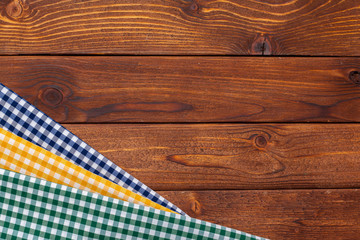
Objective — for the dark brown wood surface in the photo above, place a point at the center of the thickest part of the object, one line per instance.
(188, 89)
(278, 214)
(239, 140)
(186, 27)
(231, 156)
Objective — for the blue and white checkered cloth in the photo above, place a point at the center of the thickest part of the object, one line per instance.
(23, 119)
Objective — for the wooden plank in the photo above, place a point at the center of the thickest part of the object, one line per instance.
(230, 27)
(188, 89)
(278, 214)
(231, 156)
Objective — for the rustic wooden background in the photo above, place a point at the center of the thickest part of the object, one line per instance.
(243, 113)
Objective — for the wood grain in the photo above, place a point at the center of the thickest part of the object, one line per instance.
(231, 156)
(252, 177)
(185, 27)
(188, 89)
(278, 214)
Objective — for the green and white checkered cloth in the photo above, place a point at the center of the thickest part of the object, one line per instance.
(33, 208)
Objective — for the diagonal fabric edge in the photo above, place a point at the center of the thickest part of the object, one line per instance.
(25, 120)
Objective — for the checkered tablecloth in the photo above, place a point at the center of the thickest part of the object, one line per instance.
(21, 118)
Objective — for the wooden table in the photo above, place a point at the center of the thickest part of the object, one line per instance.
(181, 95)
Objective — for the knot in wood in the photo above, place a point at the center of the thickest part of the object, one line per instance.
(260, 141)
(52, 96)
(196, 207)
(14, 9)
(261, 45)
(194, 7)
(354, 76)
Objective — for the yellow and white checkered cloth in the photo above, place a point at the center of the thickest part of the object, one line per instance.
(22, 156)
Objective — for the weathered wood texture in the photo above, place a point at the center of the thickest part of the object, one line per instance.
(186, 27)
(286, 214)
(212, 156)
(188, 89)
